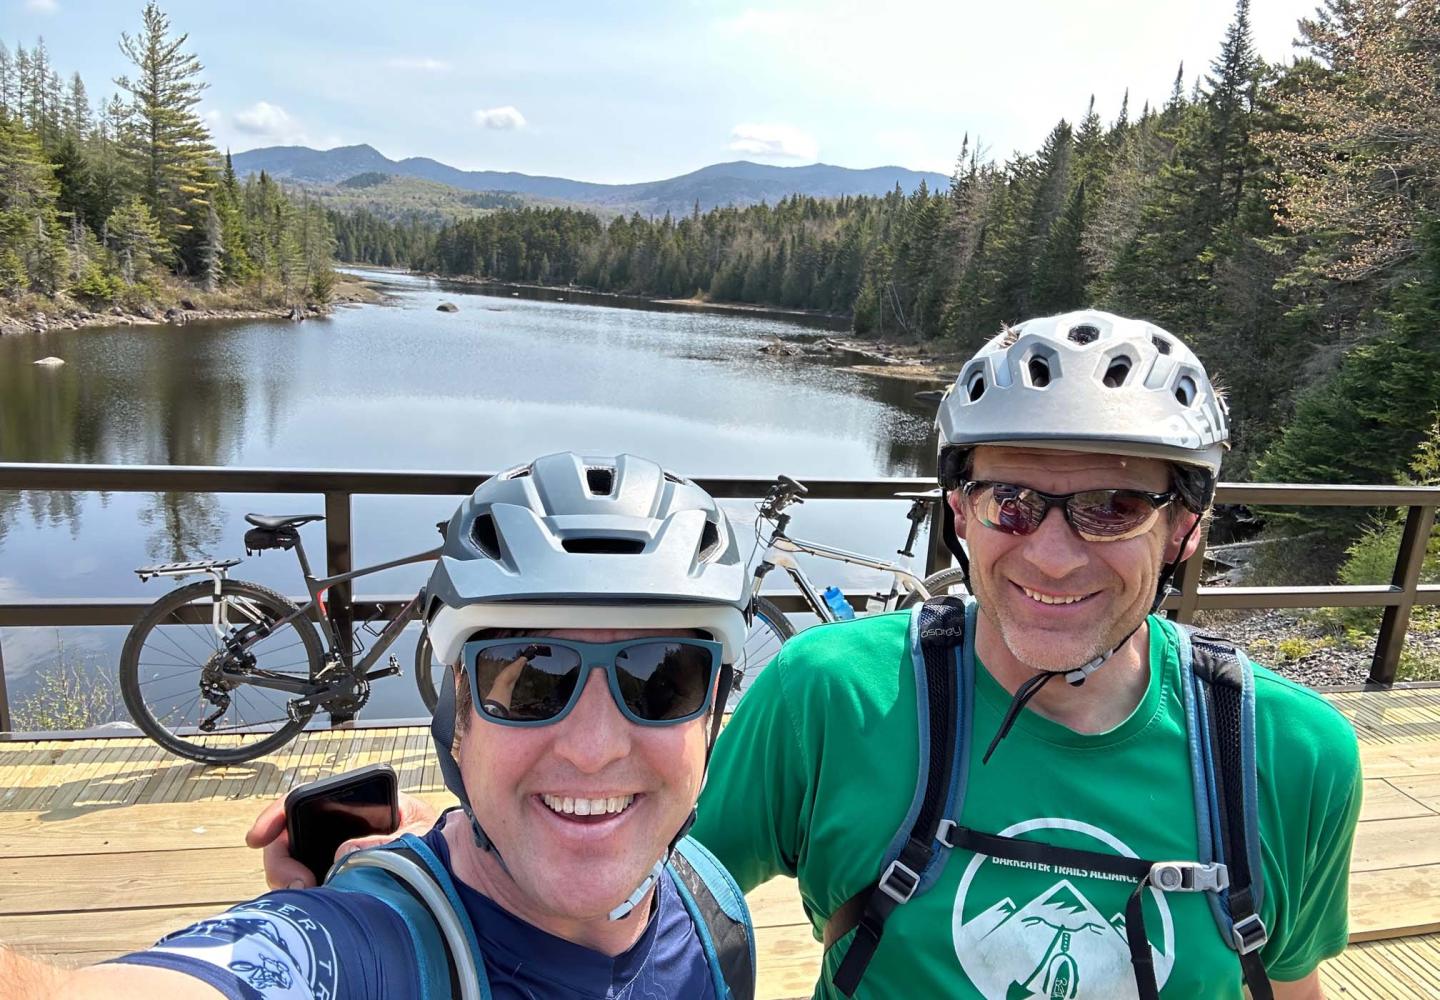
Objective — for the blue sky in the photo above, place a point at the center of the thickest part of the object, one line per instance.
(631, 91)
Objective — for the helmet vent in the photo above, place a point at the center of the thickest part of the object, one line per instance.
(519, 473)
(604, 546)
(1117, 373)
(1084, 333)
(976, 387)
(484, 535)
(670, 477)
(1185, 390)
(1161, 344)
(709, 540)
(600, 481)
(1039, 372)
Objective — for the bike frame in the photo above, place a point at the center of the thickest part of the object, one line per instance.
(781, 552)
(317, 586)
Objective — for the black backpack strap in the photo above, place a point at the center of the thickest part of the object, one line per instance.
(938, 632)
(1225, 707)
(718, 908)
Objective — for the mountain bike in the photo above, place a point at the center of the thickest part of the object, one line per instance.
(771, 628)
(223, 671)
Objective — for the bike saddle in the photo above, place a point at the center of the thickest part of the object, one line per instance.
(282, 520)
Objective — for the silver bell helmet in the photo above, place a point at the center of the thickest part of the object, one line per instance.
(571, 541)
(1088, 381)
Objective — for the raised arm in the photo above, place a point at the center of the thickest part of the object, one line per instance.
(26, 979)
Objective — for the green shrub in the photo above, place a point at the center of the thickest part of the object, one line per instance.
(69, 693)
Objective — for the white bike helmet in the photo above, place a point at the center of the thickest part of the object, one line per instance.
(570, 541)
(1088, 381)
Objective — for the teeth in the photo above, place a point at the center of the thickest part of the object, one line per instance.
(587, 807)
(1046, 599)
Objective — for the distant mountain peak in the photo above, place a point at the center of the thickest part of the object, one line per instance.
(736, 182)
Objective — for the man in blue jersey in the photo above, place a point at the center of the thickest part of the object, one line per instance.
(592, 608)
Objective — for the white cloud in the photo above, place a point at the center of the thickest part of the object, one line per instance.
(508, 117)
(773, 141)
(43, 6)
(270, 123)
(421, 64)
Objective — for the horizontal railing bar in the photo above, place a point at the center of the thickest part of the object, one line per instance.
(219, 479)
(58, 611)
(173, 478)
(126, 610)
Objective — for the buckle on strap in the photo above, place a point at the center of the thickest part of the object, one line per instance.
(945, 831)
(1190, 876)
(899, 882)
(1249, 934)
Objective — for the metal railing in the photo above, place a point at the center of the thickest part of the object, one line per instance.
(339, 488)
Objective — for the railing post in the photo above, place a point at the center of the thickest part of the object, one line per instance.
(340, 559)
(5, 726)
(1188, 577)
(1390, 640)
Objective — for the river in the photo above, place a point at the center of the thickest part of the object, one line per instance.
(403, 386)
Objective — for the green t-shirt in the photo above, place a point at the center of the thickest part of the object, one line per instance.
(816, 771)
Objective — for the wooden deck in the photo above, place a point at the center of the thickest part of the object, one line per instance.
(107, 844)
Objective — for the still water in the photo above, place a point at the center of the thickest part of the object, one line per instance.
(403, 386)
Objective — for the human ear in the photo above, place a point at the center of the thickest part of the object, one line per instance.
(955, 500)
(1186, 531)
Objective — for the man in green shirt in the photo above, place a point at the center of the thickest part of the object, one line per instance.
(1079, 454)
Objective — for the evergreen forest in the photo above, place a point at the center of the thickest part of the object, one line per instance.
(125, 200)
(1280, 218)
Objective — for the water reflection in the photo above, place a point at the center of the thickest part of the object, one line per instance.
(404, 386)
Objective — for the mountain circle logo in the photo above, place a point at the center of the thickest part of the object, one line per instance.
(1024, 930)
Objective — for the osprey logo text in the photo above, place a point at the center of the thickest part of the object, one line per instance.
(1031, 930)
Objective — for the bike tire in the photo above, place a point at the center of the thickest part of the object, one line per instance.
(769, 630)
(163, 649)
(947, 582)
(426, 671)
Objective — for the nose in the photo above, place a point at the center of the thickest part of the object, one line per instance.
(594, 734)
(1054, 548)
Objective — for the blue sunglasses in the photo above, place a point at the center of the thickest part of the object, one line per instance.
(537, 681)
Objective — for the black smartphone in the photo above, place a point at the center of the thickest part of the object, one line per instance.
(322, 815)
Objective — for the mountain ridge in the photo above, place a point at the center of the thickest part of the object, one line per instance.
(737, 182)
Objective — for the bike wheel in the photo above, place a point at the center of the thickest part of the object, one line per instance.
(170, 671)
(426, 670)
(769, 630)
(946, 583)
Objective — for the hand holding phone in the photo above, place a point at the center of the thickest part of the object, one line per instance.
(322, 815)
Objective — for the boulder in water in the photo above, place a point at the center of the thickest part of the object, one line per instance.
(51, 362)
(447, 307)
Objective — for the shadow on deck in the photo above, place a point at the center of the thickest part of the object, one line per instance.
(105, 845)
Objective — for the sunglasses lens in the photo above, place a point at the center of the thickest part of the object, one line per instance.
(524, 681)
(664, 681)
(1011, 509)
(1111, 515)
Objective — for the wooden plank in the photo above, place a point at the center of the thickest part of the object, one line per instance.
(217, 877)
(1383, 800)
(777, 903)
(1394, 902)
(1423, 788)
(788, 961)
(55, 936)
(1397, 843)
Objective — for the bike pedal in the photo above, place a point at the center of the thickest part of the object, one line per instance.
(390, 670)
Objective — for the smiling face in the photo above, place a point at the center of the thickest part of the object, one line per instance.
(581, 810)
(1055, 600)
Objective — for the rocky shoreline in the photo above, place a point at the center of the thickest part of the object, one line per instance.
(76, 317)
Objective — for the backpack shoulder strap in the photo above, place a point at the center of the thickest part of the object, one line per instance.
(941, 652)
(407, 876)
(1219, 694)
(721, 916)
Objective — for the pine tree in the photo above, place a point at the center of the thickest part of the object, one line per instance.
(169, 144)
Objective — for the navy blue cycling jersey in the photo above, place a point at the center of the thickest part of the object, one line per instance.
(331, 945)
